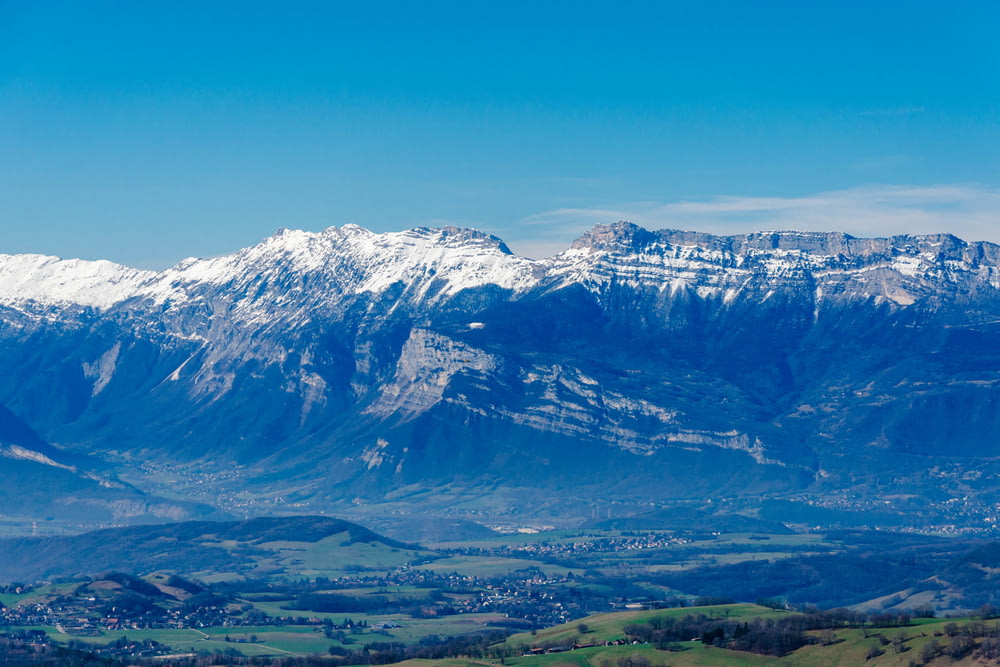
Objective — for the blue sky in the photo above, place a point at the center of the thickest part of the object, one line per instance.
(148, 132)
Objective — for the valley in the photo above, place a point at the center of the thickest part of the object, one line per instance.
(468, 334)
(309, 586)
(434, 373)
(773, 425)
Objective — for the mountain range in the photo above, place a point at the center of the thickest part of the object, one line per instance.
(434, 371)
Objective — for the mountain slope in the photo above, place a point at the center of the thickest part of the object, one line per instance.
(40, 481)
(249, 548)
(433, 367)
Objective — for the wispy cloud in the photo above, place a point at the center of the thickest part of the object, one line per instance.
(971, 212)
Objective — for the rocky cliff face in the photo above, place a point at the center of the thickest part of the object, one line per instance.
(352, 367)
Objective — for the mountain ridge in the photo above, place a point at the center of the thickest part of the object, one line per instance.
(186, 546)
(102, 284)
(344, 368)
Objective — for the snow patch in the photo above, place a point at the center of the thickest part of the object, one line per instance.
(103, 369)
(18, 452)
(374, 456)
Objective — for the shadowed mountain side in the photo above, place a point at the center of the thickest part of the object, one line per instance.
(39, 481)
(345, 367)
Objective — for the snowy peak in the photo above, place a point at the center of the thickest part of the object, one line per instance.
(26, 279)
(337, 261)
(352, 260)
(936, 268)
(297, 271)
(458, 237)
(621, 236)
(373, 257)
(626, 237)
(360, 363)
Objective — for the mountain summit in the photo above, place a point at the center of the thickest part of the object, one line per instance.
(344, 368)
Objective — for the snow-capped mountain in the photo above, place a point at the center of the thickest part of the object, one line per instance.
(303, 271)
(346, 366)
(294, 267)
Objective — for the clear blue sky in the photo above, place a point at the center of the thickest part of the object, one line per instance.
(146, 132)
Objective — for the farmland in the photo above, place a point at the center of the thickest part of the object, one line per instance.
(295, 588)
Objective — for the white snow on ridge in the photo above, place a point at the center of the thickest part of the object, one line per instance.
(900, 272)
(461, 261)
(349, 260)
(352, 260)
(295, 271)
(53, 281)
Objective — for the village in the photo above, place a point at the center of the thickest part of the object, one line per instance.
(521, 600)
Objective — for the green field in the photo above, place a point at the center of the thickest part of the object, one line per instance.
(610, 568)
(490, 566)
(294, 639)
(332, 556)
(37, 595)
(898, 645)
(271, 640)
(520, 539)
(410, 630)
(608, 627)
(721, 550)
(10, 599)
(843, 647)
